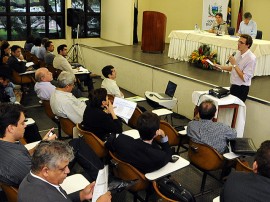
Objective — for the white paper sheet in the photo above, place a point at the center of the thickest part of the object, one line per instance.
(101, 186)
(123, 108)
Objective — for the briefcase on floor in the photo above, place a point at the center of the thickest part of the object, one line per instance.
(243, 146)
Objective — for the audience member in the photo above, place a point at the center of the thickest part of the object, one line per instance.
(14, 157)
(36, 47)
(242, 68)
(248, 26)
(99, 117)
(205, 131)
(253, 186)
(219, 26)
(60, 62)
(142, 153)
(5, 54)
(13, 95)
(29, 43)
(63, 103)
(16, 60)
(49, 169)
(42, 50)
(49, 56)
(16, 160)
(109, 82)
(45, 85)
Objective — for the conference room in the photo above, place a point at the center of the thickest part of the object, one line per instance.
(141, 71)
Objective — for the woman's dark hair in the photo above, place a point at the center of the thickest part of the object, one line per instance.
(97, 97)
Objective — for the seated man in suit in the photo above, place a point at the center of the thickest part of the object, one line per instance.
(250, 186)
(109, 82)
(142, 153)
(206, 131)
(16, 60)
(63, 103)
(16, 159)
(60, 62)
(49, 169)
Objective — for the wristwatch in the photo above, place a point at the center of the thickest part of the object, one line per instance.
(234, 66)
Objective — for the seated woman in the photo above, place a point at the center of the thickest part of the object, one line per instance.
(99, 117)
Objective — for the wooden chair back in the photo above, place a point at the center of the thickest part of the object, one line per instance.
(93, 141)
(48, 109)
(242, 166)
(54, 71)
(66, 125)
(173, 136)
(11, 192)
(164, 198)
(204, 156)
(126, 171)
(21, 79)
(134, 118)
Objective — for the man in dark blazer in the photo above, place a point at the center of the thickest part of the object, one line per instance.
(253, 186)
(16, 60)
(49, 169)
(142, 153)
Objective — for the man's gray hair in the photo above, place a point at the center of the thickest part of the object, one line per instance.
(65, 78)
(50, 154)
(39, 74)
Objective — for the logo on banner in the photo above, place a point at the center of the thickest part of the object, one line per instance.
(214, 9)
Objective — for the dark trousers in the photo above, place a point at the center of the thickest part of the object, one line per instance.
(87, 81)
(86, 158)
(240, 91)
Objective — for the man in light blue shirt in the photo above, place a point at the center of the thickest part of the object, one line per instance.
(248, 26)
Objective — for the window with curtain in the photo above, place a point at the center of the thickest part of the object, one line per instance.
(90, 27)
(40, 18)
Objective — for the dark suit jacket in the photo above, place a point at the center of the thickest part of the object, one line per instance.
(35, 190)
(143, 156)
(18, 66)
(248, 187)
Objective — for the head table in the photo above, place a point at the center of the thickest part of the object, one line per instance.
(184, 42)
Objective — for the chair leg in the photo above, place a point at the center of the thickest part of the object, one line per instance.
(203, 182)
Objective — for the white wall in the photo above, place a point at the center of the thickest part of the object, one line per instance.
(117, 21)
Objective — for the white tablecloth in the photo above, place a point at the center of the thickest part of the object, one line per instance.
(184, 42)
(224, 115)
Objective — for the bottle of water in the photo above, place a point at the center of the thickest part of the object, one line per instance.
(196, 29)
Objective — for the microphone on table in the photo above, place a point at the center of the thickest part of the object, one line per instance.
(228, 59)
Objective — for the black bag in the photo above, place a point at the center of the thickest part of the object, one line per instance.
(174, 190)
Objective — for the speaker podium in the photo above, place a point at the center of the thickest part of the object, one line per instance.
(153, 32)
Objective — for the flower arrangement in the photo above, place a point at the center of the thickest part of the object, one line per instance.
(200, 56)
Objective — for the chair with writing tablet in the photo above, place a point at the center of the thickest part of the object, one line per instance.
(132, 122)
(174, 138)
(125, 171)
(10, 192)
(96, 144)
(206, 159)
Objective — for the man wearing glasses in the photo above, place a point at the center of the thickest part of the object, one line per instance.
(242, 68)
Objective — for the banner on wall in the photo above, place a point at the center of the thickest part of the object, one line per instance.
(210, 8)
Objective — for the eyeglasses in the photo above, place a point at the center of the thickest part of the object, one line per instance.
(241, 42)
